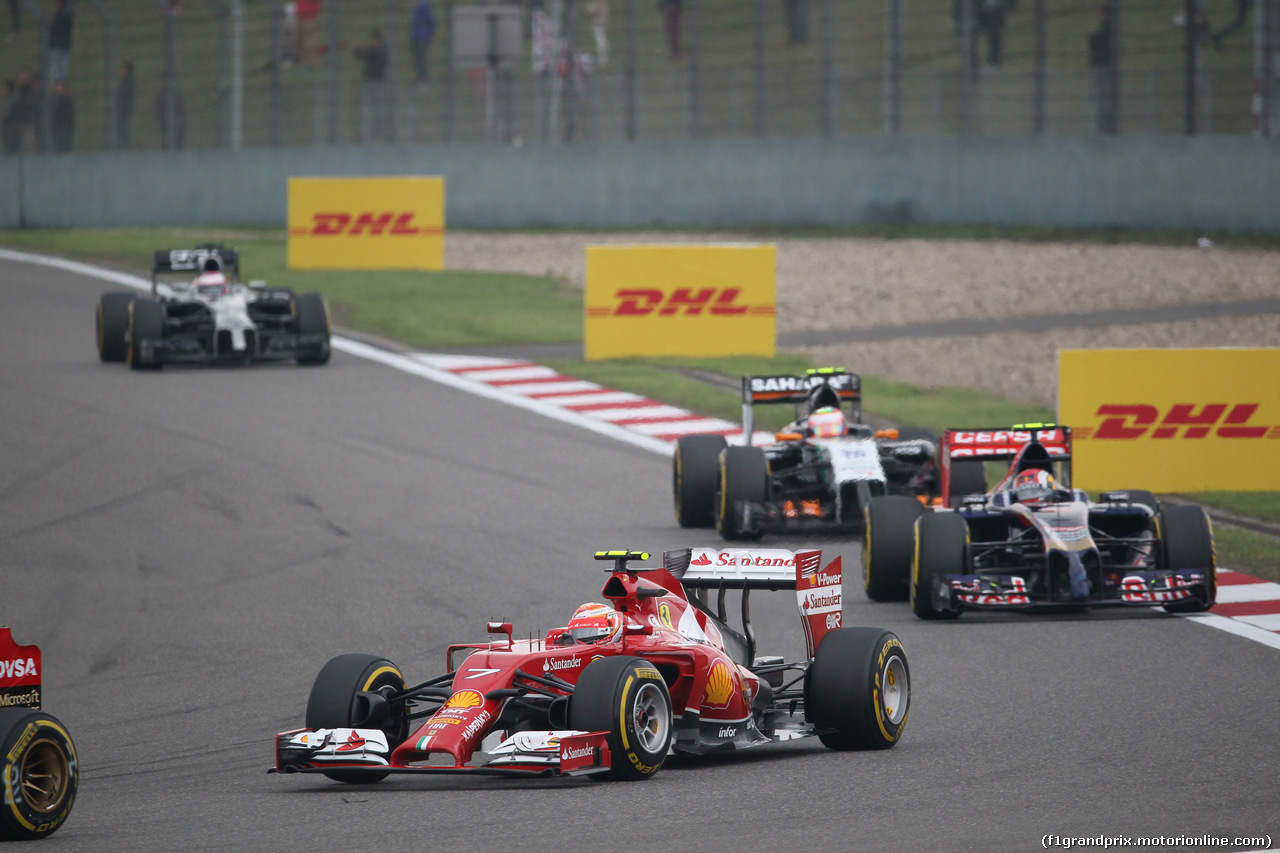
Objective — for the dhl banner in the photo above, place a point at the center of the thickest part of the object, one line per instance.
(1173, 420)
(702, 300)
(366, 223)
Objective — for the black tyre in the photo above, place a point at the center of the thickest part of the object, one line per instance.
(332, 703)
(744, 477)
(113, 326)
(626, 697)
(40, 773)
(967, 478)
(1188, 544)
(859, 689)
(311, 314)
(888, 543)
(1142, 496)
(695, 471)
(146, 331)
(941, 548)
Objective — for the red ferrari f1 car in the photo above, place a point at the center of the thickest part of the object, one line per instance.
(656, 670)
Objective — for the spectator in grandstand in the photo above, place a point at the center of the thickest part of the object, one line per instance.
(60, 41)
(375, 122)
(171, 114)
(422, 26)
(671, 12)
(126, 101)
(308, 15)
(62, 118)
(11, 125)
(598, 11)
(1102, 50)
(1242, 15)
(985, 17)
(31, 107)
(797, 12)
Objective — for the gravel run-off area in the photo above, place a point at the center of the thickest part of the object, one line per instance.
(842, 283)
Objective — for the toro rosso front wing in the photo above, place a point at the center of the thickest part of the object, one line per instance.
(531, 753)
(1131, 587)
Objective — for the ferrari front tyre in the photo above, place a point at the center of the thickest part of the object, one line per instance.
(967, 478)
(332, 704)
(626, 698)
(887, 545)
(146, 332)
(941, 548)
(40, 772)
(695, 471)
(311, 315)
(113, 326)
(858, 689)
(744, 479)
(1188, 545)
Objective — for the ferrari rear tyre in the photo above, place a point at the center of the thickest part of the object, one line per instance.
(40, 773)
(146, 331)
(858, 689)
(887, 546)
(332, 703)
(744, 478)
(695, 470)
(113, 325)
(626, 697)
(311, 313)
(967, 478)
(1188, 544)
(941, 548)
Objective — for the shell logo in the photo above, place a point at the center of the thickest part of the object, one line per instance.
(719, 686)
(465, 699)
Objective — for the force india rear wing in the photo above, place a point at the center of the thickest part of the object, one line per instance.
(20, 669)
(759, 390)
(1000, 444)
(191, 261)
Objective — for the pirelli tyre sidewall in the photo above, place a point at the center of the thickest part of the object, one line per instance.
(941, 548)
(1186, 539)
(627, 698)
(887, 542)
(311, 317)
(695, 475)
(332, 702)
(858, 689)
(40, 773)
(146, 328)
(744, 478)
(113, 326)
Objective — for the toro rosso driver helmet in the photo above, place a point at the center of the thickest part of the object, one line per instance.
(827, 423)
(1033, 486)
(594, 623)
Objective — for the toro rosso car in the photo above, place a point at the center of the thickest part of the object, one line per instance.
(38, 766)
(1034, 542)
(819, 474)
(210, 318)
(656, 670)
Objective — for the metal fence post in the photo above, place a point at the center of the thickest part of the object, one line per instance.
(448, 75)
(760, 73)
(334, 79)
(391, 83)
(1190, 27)
(170, 93)
(969, 71)
(277, 94)
(44, 129)
(1038, 73)
(827, 69)
(695, 56)
(237, 75)
(222, 15)
(109, 63)
(630, 75)
(893, 68)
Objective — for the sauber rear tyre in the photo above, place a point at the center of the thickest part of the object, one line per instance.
(941, 548)
(626, 697)
(887, 546)
(744, 477)
(311, 313)
(146, 331)
(113, 326)
(1188, 544)
(859, 689)
(695, 470)
(968, 477)
(40, 773)
(333, 702)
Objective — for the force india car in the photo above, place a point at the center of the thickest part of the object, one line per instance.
(802, 481)
(211, 319)
(673, 676)
(38, 766)
(1033, 542)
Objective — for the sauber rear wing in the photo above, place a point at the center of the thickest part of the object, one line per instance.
(192, 261)
(1002, 443)
(758, 390)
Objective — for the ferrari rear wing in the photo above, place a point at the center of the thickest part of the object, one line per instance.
(761, 390)
(997, 444)
(191, 261)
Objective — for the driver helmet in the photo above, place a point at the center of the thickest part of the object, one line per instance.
(212, 281)
(827, 422)
(1033, 486)
(594, 623)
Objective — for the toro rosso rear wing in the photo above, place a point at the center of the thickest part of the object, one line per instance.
(757, 390)
(1003, 443)
(191, 261)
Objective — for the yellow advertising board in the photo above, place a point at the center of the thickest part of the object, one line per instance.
(366, 223)
(1172, 420)
(680, 300)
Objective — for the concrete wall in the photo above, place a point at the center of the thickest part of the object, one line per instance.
(1204, 182)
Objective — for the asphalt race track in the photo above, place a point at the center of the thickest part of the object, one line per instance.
(189, 547)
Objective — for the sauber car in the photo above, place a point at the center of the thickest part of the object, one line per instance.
(1034, 542)
(657, 670)
(211, 318)
(38, 765)
(820, 473)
